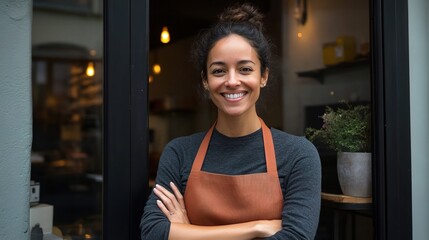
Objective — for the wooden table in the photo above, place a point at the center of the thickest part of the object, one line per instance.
(349, 204)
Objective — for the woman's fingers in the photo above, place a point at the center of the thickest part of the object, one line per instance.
(178, 195)
(171, 204)
(170, 200)
(166, 199)
(162, 207)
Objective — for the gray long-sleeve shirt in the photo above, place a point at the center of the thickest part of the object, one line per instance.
(298, 167)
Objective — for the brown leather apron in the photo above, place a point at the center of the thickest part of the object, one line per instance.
(217, 199)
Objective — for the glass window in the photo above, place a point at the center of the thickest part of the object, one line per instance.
(67, 89)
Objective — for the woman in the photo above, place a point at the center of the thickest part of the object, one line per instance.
(240, 179)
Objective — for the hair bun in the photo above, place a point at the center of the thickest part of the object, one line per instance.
(244, 13)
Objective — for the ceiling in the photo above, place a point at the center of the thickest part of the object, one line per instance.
(186, 18)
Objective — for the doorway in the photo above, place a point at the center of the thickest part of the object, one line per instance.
(130, 177)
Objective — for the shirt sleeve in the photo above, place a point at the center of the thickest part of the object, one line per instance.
(302, 189)
(154, 224)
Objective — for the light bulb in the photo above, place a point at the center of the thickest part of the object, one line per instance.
(299, 34)
(90, 69)
(156, 69)
(165, 35)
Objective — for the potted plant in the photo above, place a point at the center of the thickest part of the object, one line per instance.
(347, 131)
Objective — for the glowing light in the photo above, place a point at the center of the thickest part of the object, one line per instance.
(156, 69)
(299, 34)
(90, 69)
(165, 35)
(92, 53)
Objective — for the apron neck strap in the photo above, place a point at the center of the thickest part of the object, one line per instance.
(270, 156)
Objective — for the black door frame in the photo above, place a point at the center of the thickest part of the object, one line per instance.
(125, 118)
(391, 122)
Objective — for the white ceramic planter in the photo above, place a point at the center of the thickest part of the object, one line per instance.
(354, 173)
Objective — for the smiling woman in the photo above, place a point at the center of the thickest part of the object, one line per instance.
(234, 78)
(240, 179)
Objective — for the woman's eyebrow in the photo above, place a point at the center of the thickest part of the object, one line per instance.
(239, 62)
(246, 61)
(217, 63)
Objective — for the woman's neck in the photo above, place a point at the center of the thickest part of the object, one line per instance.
(237, 126)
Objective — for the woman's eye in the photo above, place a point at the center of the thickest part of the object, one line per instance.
(217, 71)
(246, 70)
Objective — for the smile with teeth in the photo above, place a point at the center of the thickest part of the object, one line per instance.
(233, 95)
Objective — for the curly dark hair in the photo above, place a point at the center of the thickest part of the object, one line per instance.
(244, 20)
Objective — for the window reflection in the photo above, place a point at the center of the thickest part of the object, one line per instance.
(67, 118)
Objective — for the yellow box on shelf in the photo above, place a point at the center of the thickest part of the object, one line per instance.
(329, 56)
(345, 50)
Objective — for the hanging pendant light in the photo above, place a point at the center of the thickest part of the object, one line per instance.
(165, 35)
(156, 68)
(90, 69)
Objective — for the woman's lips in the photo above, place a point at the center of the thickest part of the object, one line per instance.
(233, 96)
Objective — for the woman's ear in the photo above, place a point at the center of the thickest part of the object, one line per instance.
(264, 77)
(204, 79)
(205, 85)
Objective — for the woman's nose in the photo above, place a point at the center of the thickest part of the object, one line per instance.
(233, 79)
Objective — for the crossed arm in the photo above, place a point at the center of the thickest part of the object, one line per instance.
(173, 207)
(300, 175)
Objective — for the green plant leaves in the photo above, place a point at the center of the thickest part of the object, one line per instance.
(344, 129)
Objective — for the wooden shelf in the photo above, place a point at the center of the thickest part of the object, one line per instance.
(347, 203)
(319, 74)
(339, 198)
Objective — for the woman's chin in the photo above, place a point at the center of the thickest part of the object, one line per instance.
(234, 112)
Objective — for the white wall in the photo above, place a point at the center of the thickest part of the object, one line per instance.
(326, 21)
(419, 111)
(58, 27)
(15, 118)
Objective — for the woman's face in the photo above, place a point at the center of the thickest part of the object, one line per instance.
(234, 76)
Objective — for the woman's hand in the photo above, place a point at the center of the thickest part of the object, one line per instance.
(267, 228)
(172, 205)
